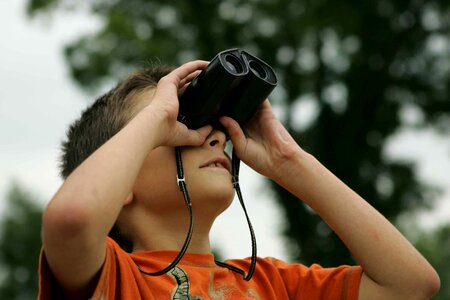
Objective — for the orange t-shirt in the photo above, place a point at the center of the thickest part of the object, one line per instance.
(198, 277)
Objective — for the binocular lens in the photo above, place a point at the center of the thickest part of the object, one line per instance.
(233, 64)
(258, 69)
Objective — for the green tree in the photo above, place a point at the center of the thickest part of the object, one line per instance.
(20, 244)
(363, 69)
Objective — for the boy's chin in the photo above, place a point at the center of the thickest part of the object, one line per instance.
(217, 194)
(215, 184)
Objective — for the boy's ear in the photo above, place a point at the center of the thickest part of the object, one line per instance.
(129, 199)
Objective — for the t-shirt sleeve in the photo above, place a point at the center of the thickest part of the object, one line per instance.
(49, 288)
(118, 278)
(316, 282)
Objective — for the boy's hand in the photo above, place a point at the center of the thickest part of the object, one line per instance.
(164, 105)
(266, 146)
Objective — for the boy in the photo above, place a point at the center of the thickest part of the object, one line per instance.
(119, 171)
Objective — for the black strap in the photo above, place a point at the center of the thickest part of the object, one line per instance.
(182, 185)
(235, 178)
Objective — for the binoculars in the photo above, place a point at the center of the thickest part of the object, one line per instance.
(233, 84)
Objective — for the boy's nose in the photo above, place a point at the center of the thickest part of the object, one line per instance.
(216, 138)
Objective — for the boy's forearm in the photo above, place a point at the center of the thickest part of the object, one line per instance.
(101, 184)
(385, 255)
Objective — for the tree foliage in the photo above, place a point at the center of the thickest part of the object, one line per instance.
(351, 74)
(20, 244)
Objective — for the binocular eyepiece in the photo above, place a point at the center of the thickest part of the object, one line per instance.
(234, 84)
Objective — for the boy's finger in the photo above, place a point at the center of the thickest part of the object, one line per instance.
(197, 137)
(189, 78)
(172, 81)
(234, 131)
(204, 132)
(188, 68)
(186, 81)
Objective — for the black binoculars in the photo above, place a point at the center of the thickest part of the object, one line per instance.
(233, 84)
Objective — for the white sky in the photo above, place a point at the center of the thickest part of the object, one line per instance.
(38, 101)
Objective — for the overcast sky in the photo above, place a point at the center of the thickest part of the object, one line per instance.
(38, 101)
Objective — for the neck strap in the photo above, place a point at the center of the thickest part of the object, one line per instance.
(235, 179)
(182, 185)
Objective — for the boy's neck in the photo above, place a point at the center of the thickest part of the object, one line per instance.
(159, 233)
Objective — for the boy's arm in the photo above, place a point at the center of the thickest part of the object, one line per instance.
(393, 268)
(82, 212)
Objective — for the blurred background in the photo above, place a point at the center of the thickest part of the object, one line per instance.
(363, 86)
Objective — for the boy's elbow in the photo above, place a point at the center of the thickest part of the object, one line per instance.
(432, 283)
(427, 285)
(64, 222)
(421, 284)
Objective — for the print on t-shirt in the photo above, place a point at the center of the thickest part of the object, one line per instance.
(181, 291)
(216, 290)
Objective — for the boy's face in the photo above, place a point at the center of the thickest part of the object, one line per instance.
(207, 172)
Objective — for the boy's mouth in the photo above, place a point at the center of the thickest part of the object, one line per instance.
(218, 162)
